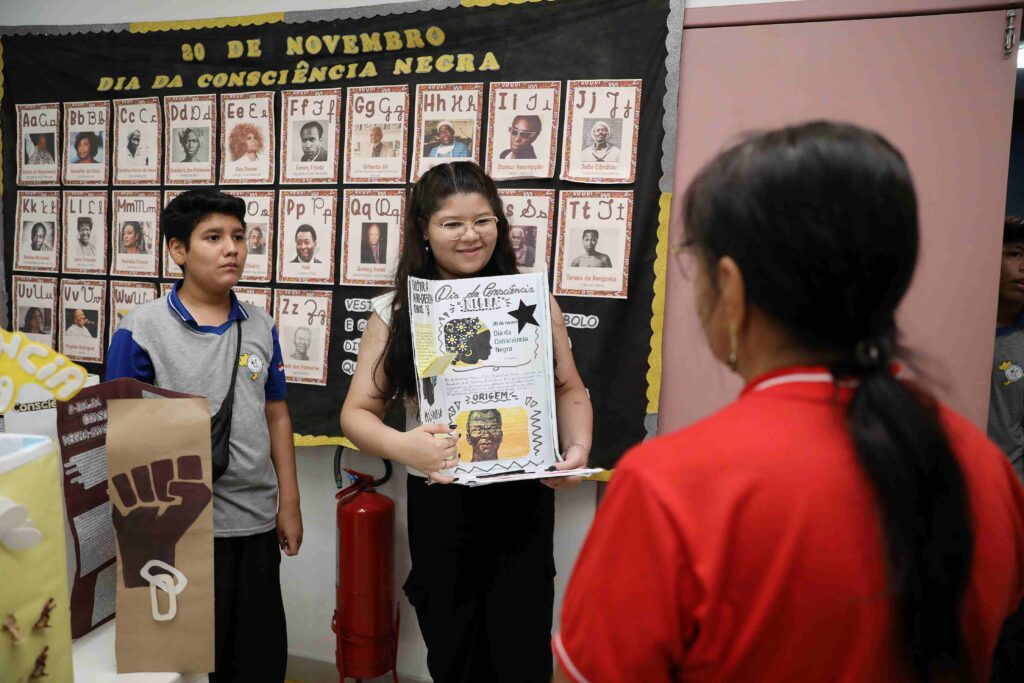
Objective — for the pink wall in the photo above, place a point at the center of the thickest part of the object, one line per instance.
(940, 88)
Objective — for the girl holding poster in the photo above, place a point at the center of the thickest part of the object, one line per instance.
(482, 579)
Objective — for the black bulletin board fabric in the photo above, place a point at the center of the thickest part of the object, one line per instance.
(557, 40)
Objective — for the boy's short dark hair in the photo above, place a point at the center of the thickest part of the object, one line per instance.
(1013, 229)
(183, 213)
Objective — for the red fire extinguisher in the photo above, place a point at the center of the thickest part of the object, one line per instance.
(365, 617)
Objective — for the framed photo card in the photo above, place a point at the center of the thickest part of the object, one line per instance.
(135, 232)
(530, 216)
(138, 127)
(601, 131)
(124, 296)
(37, 231)
(304, 329)
(522, 129)
(190, 153)
(259, 234)
(38, 138)
(376, 130)
(83, 306)
(34, 308)
(247, 138)
(257, 296)
(595, 229)
(310, 136)
(86, 143)
(85, 235)
(305, 247)
(447, 125)
(372, 236)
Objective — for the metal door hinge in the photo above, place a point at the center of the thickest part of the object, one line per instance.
(1010, 36)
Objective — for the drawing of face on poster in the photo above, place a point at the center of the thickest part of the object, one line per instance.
(135, 230)
(35, 305)
(530, 215)
(372, 236)
(493, 434)
(522, 129)
(38, 221)
(82, 307)
(125, 296)
(86, 134)
(38, 124)
(593, 243)
(303, 323)
(447, 125)
(601, 131)
(376, 131)
(259, 234)
(257, 296)
(305, 250)
(247, 138)
(310, 135)
(85, 234)
(190, 155)
(138, 128)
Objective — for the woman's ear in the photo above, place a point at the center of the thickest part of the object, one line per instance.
(178, 251)
(732, 292)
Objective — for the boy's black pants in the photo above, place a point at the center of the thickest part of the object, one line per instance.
(252, 642)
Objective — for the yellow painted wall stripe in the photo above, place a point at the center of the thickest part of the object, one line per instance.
(220, 22)
(658, 304)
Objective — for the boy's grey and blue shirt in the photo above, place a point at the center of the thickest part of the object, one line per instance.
(1006, 403)
(161, 343)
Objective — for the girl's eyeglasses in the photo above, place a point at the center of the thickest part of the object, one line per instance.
(485, 226)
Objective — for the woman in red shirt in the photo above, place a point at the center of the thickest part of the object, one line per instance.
(834, 523)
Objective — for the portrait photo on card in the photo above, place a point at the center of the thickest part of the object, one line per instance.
(135, 233)
(372, 236)
(138, 131)
(86, 148)
(593, 244)
(85, 232)
(305, 250)
(601, 131)
(190, 154)
(530, 215)
(126, 296)
(34, 302)
(247, 142)
(376, 130)
(447, 125)
(38, 134)
(257, 296)
(37, 231)
(522, 129)
(310, 135)
(303, 324)
(171, 269)
(81, 320)
(259, 234)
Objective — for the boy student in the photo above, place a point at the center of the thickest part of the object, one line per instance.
(188, 341)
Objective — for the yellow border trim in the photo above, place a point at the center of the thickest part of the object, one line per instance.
(658, 303)
(601, 476)
(490, 3)
(221, 22)
(309, 440)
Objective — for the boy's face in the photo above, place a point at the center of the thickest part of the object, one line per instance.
(216, 254)
(1011, 278)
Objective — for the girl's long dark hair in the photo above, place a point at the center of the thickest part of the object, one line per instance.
(822, 220)
(426, 197)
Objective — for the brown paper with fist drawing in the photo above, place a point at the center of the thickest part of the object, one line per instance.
(161, 495)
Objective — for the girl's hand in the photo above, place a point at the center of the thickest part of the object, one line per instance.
(429, 453)
(575, 456)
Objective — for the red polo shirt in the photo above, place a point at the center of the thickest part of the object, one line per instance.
(747, 547)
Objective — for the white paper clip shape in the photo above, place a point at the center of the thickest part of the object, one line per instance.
(17, 532)
(172, 585)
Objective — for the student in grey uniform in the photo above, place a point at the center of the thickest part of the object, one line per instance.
(1006, 411)
(187, 341)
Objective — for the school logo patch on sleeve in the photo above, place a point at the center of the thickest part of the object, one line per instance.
(1012, 372)
(253, 363)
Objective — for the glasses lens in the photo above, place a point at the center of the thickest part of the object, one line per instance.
(528, 134)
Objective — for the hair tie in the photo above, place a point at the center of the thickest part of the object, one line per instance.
(871, 354)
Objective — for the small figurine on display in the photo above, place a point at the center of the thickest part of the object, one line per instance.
(40, 668)
(11, 626)
(44, 617)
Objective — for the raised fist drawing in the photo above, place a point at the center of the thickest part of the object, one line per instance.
(153, 509)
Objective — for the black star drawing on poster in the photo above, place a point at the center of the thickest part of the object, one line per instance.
(524, 315)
